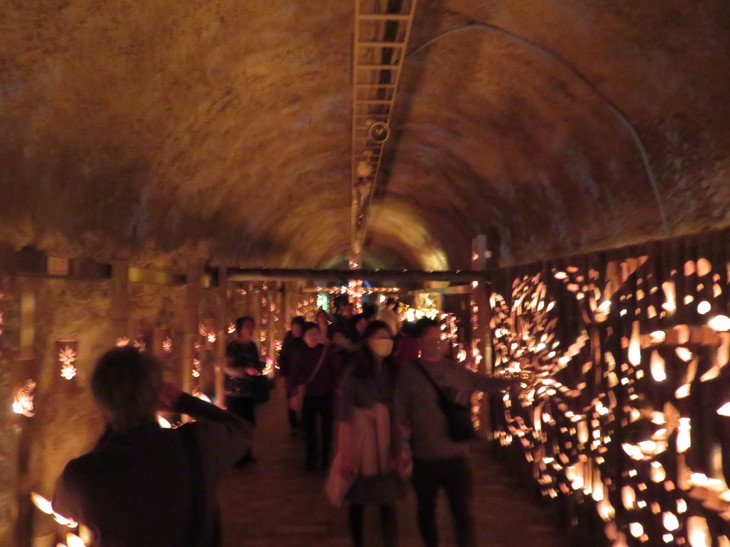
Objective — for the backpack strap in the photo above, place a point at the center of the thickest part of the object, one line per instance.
(319, 365)
(440, 392)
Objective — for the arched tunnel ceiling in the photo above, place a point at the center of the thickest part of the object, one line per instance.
(163, 128)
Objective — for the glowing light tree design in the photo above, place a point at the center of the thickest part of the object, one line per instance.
(624, 423)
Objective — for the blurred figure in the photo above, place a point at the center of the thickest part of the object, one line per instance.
(407, 348)
(389, 315)
(314, 376)
(324, 323)
(366, 448)
(438, 461)
(343, 320)
(292, 341)
(243, 363)
(144, 485)
(360, 323)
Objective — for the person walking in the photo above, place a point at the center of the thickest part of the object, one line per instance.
(243, 364)
(365, 444)
(289, 348)
(322, 319)
(314, 373)
(141, 484)
(439, 462)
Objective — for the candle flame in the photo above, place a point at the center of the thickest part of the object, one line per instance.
(23, 400)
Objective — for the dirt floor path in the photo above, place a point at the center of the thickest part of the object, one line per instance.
(273, 502)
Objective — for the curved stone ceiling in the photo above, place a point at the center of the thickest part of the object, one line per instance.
(162, 129)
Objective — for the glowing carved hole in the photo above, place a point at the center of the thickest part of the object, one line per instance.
(698, 532)
(724, 410)
(670, 296)
(684, 440)
(636, 529)
(704, 307)
(657, 472)
(670, 521)
(684, 354)
(720, 323)
(658, 371)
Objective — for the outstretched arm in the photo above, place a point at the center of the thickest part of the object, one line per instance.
(227, 434)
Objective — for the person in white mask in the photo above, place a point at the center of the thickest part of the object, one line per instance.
(363, 469)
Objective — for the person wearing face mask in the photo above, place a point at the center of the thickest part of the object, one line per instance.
(365, 448)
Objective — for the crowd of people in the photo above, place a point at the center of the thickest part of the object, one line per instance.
(365, 392)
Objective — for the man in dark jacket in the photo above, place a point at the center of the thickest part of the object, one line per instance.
(144, 485)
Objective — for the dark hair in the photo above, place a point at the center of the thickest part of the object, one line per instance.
(362, 366)
(307, 326)
(320, 311)
(127, 384)
(390, 300)
(375, 326)
(369, 310)
(241, 322)
(423, 324)
(358, 317)
(409, 329)
(298, 320)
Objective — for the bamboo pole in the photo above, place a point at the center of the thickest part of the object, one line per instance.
(191, 320)
(221, 334)
(26, 362)
(120, 301)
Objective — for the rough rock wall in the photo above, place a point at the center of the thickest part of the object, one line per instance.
(143, 130)
(66, 422)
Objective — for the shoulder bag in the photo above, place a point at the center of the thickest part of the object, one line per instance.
(458, 417)
(296, 401)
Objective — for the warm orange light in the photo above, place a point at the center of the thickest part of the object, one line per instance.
(23, 399)
(720, 323)
(658, 371)
(698, 532)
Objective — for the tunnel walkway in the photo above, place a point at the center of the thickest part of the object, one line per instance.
(273, 502)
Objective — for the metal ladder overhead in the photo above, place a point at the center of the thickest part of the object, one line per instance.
(382, 30)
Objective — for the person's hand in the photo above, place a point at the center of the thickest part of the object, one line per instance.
(235, 372)
(252, 371)
(403, 463)
(168, 396)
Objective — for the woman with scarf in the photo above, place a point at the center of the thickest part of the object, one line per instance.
(365, 453)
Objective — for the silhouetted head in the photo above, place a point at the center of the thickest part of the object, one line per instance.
(244, 328)
(297, 323)
(310, 334)
(126, 385)
(347, 310)
(428, 332)
(360, 322)
(322, 317)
